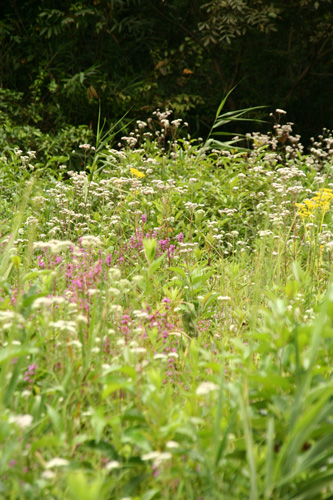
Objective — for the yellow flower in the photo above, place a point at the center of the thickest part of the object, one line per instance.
(137, 173)
(321, 200)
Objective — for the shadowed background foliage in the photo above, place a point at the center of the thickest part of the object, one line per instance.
(60, 60)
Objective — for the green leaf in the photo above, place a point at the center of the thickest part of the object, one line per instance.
(222, 443)
(178, 270)
(103, 447)
(136, 437)
(115, 383)
(10, 352)
(270, 381)
(50, 442)
(149, 495)
(202, 278)
(133, 484)
(150, 246)
(156, 264)
(313, 488)
(82, 488)
(55, 419)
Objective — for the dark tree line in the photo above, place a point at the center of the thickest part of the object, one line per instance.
(60, 59)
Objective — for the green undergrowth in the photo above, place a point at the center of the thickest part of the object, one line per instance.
(166, 317)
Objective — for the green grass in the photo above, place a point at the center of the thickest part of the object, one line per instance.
(167, 336)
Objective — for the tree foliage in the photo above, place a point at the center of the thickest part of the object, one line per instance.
(68, 57)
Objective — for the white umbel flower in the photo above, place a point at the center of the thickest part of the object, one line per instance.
(157, 456)
(172, 444)
(114, 464)
(22, 421)
(206, 388)
(56, 462)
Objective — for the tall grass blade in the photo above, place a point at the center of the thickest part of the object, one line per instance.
(245, 413)
(270, 458)
(5, 267)
(225, 118)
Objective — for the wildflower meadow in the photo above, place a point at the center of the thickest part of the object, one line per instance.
(166, 318)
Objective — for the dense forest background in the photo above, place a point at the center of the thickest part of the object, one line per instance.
(62, 60)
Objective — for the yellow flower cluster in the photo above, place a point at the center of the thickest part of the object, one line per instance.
(137, 173)
(321, 201)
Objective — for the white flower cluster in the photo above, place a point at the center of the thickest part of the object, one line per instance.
(55, 246)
